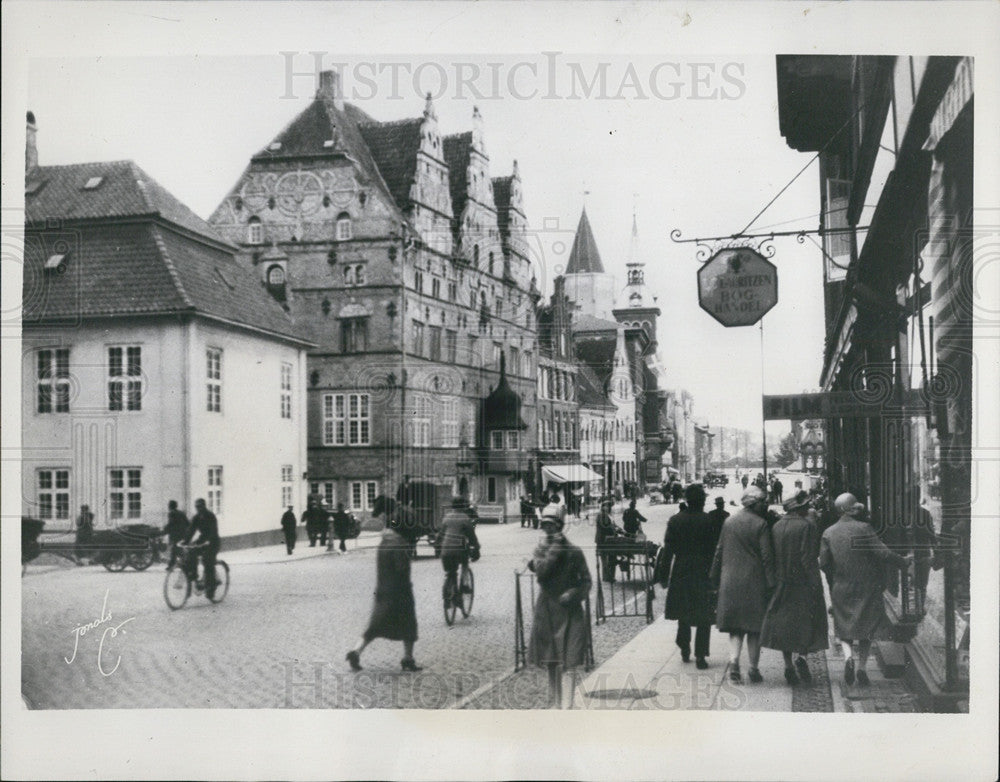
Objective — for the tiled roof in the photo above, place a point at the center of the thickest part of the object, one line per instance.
(393, 147)
(456, 155)
(124, 190)
(585, 322)
(584, 257)
(599, 356)
(141, 268)
(501, 198)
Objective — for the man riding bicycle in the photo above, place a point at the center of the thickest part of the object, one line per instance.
(207, 526)
(459, 543)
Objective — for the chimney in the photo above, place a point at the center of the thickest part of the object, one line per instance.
(331, 89)
(30, 149)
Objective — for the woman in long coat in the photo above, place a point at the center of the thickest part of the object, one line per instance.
(394, 614)
(688, 547)
(796, 617)
(559, 630)
(743, 569)
(853, 558)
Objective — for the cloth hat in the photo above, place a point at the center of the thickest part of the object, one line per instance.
(846, 504)
(800, 500)
(752, 495)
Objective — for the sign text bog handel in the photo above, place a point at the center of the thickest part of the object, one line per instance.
(737, 286)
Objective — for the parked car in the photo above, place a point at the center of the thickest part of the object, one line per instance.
(715, 480)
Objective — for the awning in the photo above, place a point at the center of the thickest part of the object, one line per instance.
(569, 473)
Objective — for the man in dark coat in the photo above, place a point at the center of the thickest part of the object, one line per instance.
(717, 518)
(459, 543)
(853, 558)
(604, 531)
(394, 613)
(317, 522)
(84, 533)
(206, 526)
(559, 630)
(687, 556)
(632, 520)
(743, 570)
(796, 616)
(288, 522)
(341, 527)
(176, 529)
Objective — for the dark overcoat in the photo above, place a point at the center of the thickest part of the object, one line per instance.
(394, 614)
(559, 633)
(853, 558)
(688, 547)
(743, 569)
(796, 617)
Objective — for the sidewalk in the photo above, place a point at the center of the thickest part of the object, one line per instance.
(276, 554)
(648, 673)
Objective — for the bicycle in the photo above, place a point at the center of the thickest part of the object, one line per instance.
(187, 573)
(459, 593)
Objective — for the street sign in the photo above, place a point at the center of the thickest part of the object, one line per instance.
(737, 286)
(841, 404)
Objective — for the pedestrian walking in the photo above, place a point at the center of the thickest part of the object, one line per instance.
(796, 616)
(853, 558)
(717, 518)
(632, 520)
(176, 529)
(743, 571)
(527, 512)
(84, 534)
(394, 614)
(688, 548)
(317, 522)
(779, 491)
(604, 531)
(288, 522)
(744, 481)
(341, 527)
(559, 630)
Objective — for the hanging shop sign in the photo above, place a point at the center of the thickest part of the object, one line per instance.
(841, 404)
(737, 286)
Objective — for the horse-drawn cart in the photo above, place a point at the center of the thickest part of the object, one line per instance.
(418, 507)
(131, 545)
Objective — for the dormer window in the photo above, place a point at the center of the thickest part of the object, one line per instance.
(255, 231)
(328, 144)
(274, 146)
(55, 262)
(276, 276)
(345, 230)
(93, 183)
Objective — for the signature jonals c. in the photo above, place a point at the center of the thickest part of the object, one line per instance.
(81, 630)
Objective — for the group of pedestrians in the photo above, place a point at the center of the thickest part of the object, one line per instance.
(760, 581)
(318, 522)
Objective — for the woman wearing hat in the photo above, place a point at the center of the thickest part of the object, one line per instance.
(559, 631)
(796, 616)
(394, 614)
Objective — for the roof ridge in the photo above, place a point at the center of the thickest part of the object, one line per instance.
(383, 123)
(171, 269)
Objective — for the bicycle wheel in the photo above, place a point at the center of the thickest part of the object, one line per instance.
(176, 588)
(450, 601)
(140, 560)
(221, 581)
(468, 591)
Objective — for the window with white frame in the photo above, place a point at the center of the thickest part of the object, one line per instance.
(286, 485)
(363, 494)
(53, 380)
(327, 491)
(346, 419)
(418, 338)
(213, 498)
(449, 423)
(420, 423)
(53, 494)
(124, 493)
(286, 390)
(513, 440)
(496, 440)
(255, 231)
(345, 230)
(213, 374)
(124, 377)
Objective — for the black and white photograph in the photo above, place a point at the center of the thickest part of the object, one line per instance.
(383, 378)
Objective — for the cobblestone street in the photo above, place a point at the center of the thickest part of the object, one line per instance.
(279, 638)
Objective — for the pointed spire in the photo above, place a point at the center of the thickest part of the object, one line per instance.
(429, 111)
(633, 247)
(584, 257)
(478, 139)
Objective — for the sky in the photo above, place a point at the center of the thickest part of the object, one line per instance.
(689, 141)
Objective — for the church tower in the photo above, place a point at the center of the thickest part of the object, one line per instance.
(585, 282)
(636, 307)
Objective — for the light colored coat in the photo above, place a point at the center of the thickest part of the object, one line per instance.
(743, 569)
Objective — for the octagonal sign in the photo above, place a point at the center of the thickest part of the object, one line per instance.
(737, 286)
